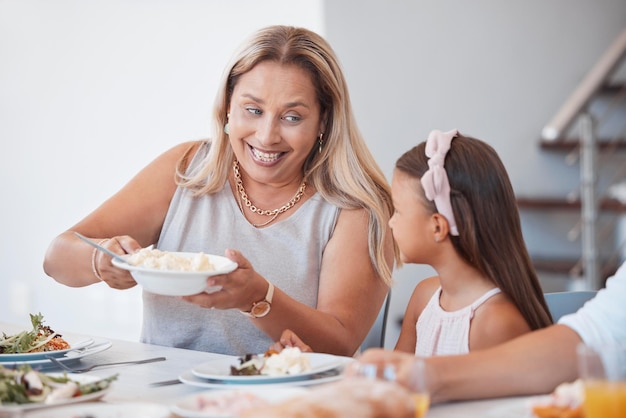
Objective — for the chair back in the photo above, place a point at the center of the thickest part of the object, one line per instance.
(376, 336)
(564, 303)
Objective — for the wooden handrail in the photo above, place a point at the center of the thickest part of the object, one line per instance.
(585, 90)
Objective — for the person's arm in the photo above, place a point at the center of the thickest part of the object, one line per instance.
(422, 293)
(350, 293)
(133, 217)
(534, 363)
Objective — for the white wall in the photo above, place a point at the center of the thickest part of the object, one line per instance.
(91, 91)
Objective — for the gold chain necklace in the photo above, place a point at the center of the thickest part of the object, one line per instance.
(274, 212)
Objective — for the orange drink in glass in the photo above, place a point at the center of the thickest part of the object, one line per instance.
(605, 399)
(417, 383)
(603, 371)
(422, 403)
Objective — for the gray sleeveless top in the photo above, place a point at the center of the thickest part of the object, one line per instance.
(288, 253)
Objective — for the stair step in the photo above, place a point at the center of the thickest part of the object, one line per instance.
(570, 144)
(565, 266)
(606, 204)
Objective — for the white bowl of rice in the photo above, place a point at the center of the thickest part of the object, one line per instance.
(175, 273)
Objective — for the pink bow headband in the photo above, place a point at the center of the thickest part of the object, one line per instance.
(435, 180)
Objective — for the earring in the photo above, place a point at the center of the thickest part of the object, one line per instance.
(321, 142)
(437, 238)
(226, 130)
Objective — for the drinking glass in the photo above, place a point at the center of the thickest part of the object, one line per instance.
(603, 372)
(415, 380)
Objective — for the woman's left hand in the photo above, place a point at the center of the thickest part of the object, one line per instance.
(240, 289)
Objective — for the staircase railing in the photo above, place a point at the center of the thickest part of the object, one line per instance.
(590, 85)
(577, 108)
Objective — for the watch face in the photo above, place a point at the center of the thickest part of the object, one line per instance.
(260, 309)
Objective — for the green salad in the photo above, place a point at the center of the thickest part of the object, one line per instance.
(40, 338)
(23, 385)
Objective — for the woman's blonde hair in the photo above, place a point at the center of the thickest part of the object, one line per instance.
(344, 172)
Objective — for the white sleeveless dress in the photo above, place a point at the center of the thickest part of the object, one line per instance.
(445, 333)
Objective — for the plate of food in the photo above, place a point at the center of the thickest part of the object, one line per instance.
(24, 388)
(288, 365)
(37, 343)
(229, 403)
(188, 378)
(106, 410)
(68, 358)
(174, 273)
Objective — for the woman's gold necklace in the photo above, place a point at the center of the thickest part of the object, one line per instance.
(274, 212)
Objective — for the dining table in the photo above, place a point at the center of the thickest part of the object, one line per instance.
(158, 382)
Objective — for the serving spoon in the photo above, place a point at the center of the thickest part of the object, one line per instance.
(101, 248)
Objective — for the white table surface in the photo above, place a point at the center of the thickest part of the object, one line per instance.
(133, 382)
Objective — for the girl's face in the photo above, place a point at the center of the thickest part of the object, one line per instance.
(411, 221)
(274, 122)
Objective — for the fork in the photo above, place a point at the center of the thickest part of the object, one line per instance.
(86, 369)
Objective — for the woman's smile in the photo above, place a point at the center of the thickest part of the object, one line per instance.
(264, 157)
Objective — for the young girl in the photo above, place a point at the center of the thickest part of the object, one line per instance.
(455, 210)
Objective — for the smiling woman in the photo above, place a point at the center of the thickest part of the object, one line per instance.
(285, 188)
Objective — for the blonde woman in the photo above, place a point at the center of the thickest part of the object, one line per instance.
(286, 188)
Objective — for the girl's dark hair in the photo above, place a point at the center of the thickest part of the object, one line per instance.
(490, 234)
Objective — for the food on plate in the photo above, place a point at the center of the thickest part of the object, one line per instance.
(164, 260)
(229, 403)
(565, 402)
(23, 385)
(350, 397)
(290, 361)
(40, 338)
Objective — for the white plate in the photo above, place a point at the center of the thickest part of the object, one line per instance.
(522, 408)
(106, 410)
(67, 357)
(74, 345)
(219, 369)
(189, 378)
(81, 378)
(178, 283)
(224, 402)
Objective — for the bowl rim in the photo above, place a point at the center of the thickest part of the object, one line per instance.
(226, 265)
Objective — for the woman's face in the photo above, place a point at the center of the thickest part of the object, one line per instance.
(274, 122)
(410, 222)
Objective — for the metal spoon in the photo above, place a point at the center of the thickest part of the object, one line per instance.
(101, 248)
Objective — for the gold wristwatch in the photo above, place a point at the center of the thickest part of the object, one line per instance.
(261, 308)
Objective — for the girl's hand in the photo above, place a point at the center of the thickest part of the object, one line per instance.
(290, 339)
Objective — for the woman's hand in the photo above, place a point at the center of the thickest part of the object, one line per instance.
(115, 277)
(240, 288)
(290, 339)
